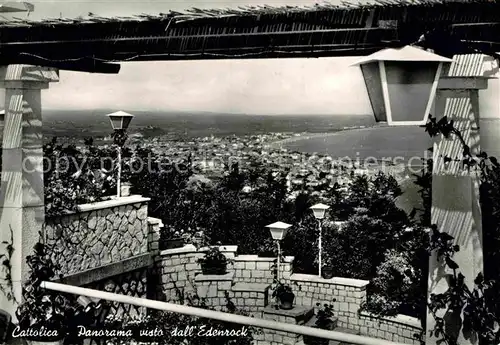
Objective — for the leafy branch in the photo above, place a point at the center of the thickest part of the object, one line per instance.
(7, 286)
(447, 128)
(478, 305)
(481, 304)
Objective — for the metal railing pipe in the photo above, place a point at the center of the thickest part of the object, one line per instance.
(217, 315)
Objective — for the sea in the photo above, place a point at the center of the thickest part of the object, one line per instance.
(81, 123)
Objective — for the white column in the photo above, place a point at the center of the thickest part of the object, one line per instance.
(490, 109)
(455, 191)
(22, 189)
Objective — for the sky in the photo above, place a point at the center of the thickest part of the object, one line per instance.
(270, 86)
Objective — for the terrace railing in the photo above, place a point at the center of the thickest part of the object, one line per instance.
(217, 315)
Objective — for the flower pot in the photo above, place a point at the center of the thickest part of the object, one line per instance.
(213, 270)
(286, 300)
(327, 273)
(176, 242)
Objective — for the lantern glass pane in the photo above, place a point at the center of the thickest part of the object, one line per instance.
(116, 122)
(371, 75)
(278, 234)
(319, 213)
(409, 84)
(126, 121)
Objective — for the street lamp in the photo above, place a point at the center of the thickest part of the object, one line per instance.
(319, 211)
(278, 232)
(120, 121)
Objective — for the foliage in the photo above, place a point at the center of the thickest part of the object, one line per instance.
(6, 286)
(75, 176)
(41, 308)
(214, 262)
(280, 289)
(282, 292)
(324, 320)
(371, 236)
(480, 306)
(165, 181)
(324, 316)
(301, 242)
(400, 286)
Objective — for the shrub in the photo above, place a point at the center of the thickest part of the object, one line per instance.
(43, 309)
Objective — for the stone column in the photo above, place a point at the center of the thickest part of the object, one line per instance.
(455, 191)
(22, 190)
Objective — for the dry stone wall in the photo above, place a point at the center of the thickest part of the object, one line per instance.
(99, 234)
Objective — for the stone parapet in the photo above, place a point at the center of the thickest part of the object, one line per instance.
(99, 234)
(400, 328)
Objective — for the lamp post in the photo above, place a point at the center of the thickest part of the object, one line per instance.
(319, 211)
(120, 121)
(278, 232)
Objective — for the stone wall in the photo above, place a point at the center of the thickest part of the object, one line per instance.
(213, 288)
(178, 268)
(254, 269)
(348, 293)
(108, 246)
(99, 234)
(248, 284)
(400, 328)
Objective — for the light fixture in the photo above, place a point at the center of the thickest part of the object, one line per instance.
(278, 230)
(120, 120)
(319, 210)
(402, 84)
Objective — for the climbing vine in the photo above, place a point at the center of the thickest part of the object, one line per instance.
(6, 285)
(479, 306)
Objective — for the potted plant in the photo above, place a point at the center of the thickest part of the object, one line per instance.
(44, 315)
(171, 238)
(327, 269)
(214, 262)
(324, 320)
(284, 295)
